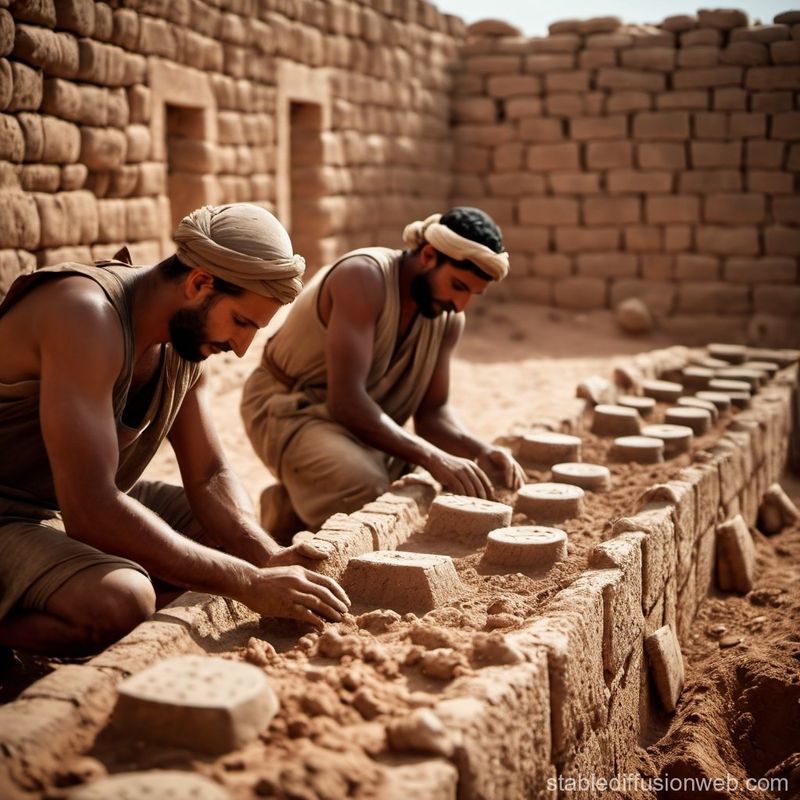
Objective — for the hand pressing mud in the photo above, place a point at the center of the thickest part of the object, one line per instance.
(296, 593)
(298, 553)
(499, 465)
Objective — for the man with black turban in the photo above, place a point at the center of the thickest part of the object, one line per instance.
(98, 364)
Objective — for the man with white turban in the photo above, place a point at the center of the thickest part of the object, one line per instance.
(366, 347)
(98, 364)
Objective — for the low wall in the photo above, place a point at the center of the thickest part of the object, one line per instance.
(651, 161)
(574, 695)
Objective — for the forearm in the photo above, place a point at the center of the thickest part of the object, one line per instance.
(119, 525)
(443, 429)
(223, 509)
(365, 419)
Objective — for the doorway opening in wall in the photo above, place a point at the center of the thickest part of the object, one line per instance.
(308, 223)
(190, 160)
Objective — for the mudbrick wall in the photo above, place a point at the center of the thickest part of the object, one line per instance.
(118, 118)
(652, 161)
(568, 692)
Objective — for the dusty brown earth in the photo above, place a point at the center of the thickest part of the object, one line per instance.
(739, 712)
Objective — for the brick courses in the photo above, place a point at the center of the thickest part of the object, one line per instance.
(676, 139)
(600, 138)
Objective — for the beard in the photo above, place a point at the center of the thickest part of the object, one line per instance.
(422, 294)
(187, 331)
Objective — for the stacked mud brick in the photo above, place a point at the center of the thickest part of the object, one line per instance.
(652, 161)
(115, 119)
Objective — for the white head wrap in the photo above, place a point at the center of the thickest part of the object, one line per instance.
(458, 247)
(243, 244)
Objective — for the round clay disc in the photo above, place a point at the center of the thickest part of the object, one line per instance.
(740, 399)
(696, 377)
(732, 353)
(754, 377)
(591, 477)
(676, 438)
(644, 405)
(727, 386)
(721, 400)
(639, 449)
(526, 546)
(698, 419)
(549, 502)
(608, 420)
(546, 448)
(696, 402)
(708, 362)
(770, 367)
(666, 391)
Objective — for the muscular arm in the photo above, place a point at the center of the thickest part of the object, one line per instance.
(435, 420)
(218, 500)
(357, 294)
(438, 423)
(80, 349)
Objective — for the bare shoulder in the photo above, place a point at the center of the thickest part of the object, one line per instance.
(73, 315)
(356, 287)
(359, 278)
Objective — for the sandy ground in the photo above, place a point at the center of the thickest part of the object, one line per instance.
(515, 363)
(739, 712)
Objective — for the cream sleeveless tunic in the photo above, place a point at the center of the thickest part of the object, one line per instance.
(289, 387)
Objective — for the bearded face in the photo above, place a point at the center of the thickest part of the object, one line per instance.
(422, 292)
(188, 330)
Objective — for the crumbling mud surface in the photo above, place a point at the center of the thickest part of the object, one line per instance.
(739, 714)
(354, 699)
(381, 703)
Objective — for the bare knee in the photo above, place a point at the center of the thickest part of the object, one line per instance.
(113, 606)
(128, 599)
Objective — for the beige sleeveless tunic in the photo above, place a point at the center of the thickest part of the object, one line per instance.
(275, 408)
(26, 477)
(35, 555)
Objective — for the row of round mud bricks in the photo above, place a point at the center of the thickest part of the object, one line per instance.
(530, 546)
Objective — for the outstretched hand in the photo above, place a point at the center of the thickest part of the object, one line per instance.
(498, 460)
